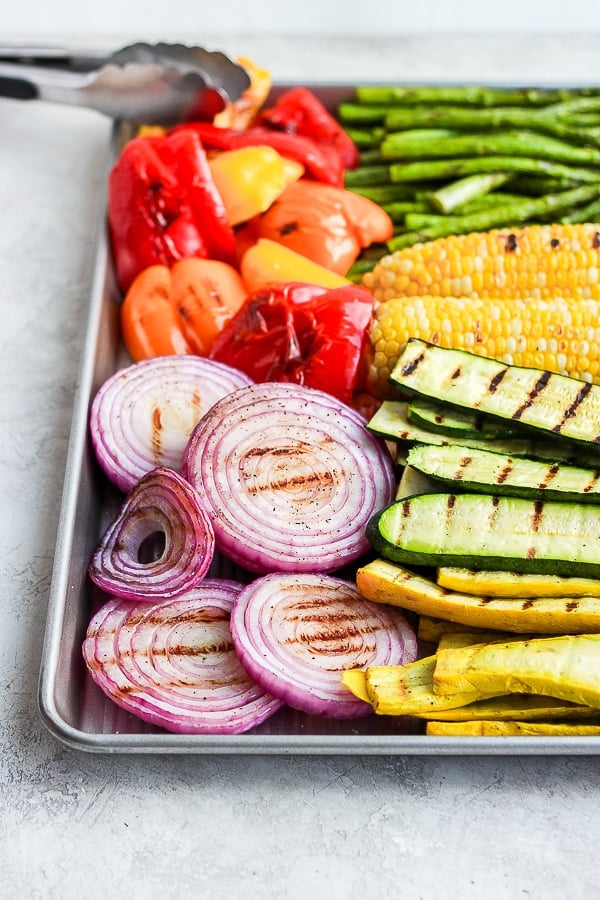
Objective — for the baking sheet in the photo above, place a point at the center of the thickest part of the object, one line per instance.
(74, 709)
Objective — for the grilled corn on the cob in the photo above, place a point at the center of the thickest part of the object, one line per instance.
(538, 261)
(560, 335)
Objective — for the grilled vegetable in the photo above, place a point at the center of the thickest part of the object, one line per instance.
(179, 309)
(560, 335)
(161, 504)
(297, 633)
(391, 421)
(535, 261)
(515, 584)
(457, 423)
(301, 333)
(484, 472)
(142, 416)
(480, 531)
(407, 690)
(290, 476)
(511, 729)
(386, 582)
(551, 404)
(172, 662)
(565, 667)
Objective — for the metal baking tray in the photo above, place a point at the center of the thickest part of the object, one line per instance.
(74, 709)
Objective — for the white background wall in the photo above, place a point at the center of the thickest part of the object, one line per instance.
(191, 18)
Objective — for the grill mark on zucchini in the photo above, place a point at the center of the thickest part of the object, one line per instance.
(551, 475)
(414, 365)
(571, 410)
(533, 395)
(506, 470)
(496, 380)
(538, 512)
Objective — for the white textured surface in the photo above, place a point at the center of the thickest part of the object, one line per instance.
(78, 826)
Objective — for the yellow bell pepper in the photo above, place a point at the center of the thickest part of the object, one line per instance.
(269, 262)
(249, 179)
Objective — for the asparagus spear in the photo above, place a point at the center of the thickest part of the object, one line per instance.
(388, 193)
(366, 138)
(458, 192)
(367, 175)
(497, 217)
(510, 143)
(455, 168)
(588, 213)
(397, 211)
(470, 95)
(484, 119)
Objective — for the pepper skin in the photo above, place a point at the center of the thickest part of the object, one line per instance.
(300, 333)
(299, 111)
(163, 206)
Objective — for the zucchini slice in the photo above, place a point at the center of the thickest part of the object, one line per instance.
(457, 423)
(383, 581)
(550, 403)
(483, 471)
(392, 423)
(489, 532)
(514, 584)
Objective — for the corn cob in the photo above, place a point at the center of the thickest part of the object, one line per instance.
(535, 261)
(560, 335)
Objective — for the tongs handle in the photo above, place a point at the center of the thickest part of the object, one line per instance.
(53, 57)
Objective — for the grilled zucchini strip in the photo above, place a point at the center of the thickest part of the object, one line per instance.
(551, 404)
(479, 531)
(486, 472)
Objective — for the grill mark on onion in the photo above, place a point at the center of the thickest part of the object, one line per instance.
(196, 684)
(292, 481)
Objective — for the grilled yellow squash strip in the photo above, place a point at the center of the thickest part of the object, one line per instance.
(565, 667)
(511, 729)
(387, 582)
(514, 584)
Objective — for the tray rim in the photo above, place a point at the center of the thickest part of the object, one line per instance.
(228, 745)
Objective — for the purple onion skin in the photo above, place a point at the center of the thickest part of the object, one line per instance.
(296, 633)
(162, 503)
(172, 663)
(290, 476)
(142, 416)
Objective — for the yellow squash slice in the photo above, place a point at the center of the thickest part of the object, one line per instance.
(387, 582)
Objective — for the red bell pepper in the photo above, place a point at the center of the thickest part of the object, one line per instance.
(299, 111)
(321, 161)
(163, 206)
(300, 333)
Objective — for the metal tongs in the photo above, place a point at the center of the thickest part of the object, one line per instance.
(157, 84)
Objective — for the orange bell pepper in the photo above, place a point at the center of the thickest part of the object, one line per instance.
(268, 263)
(240, 113)
(327, 224)
(249, 179)
(181, 309)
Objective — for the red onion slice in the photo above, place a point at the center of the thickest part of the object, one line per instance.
(161, 505)
(296, 634)
(172, 663)
(290, 477)
(143, 415)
